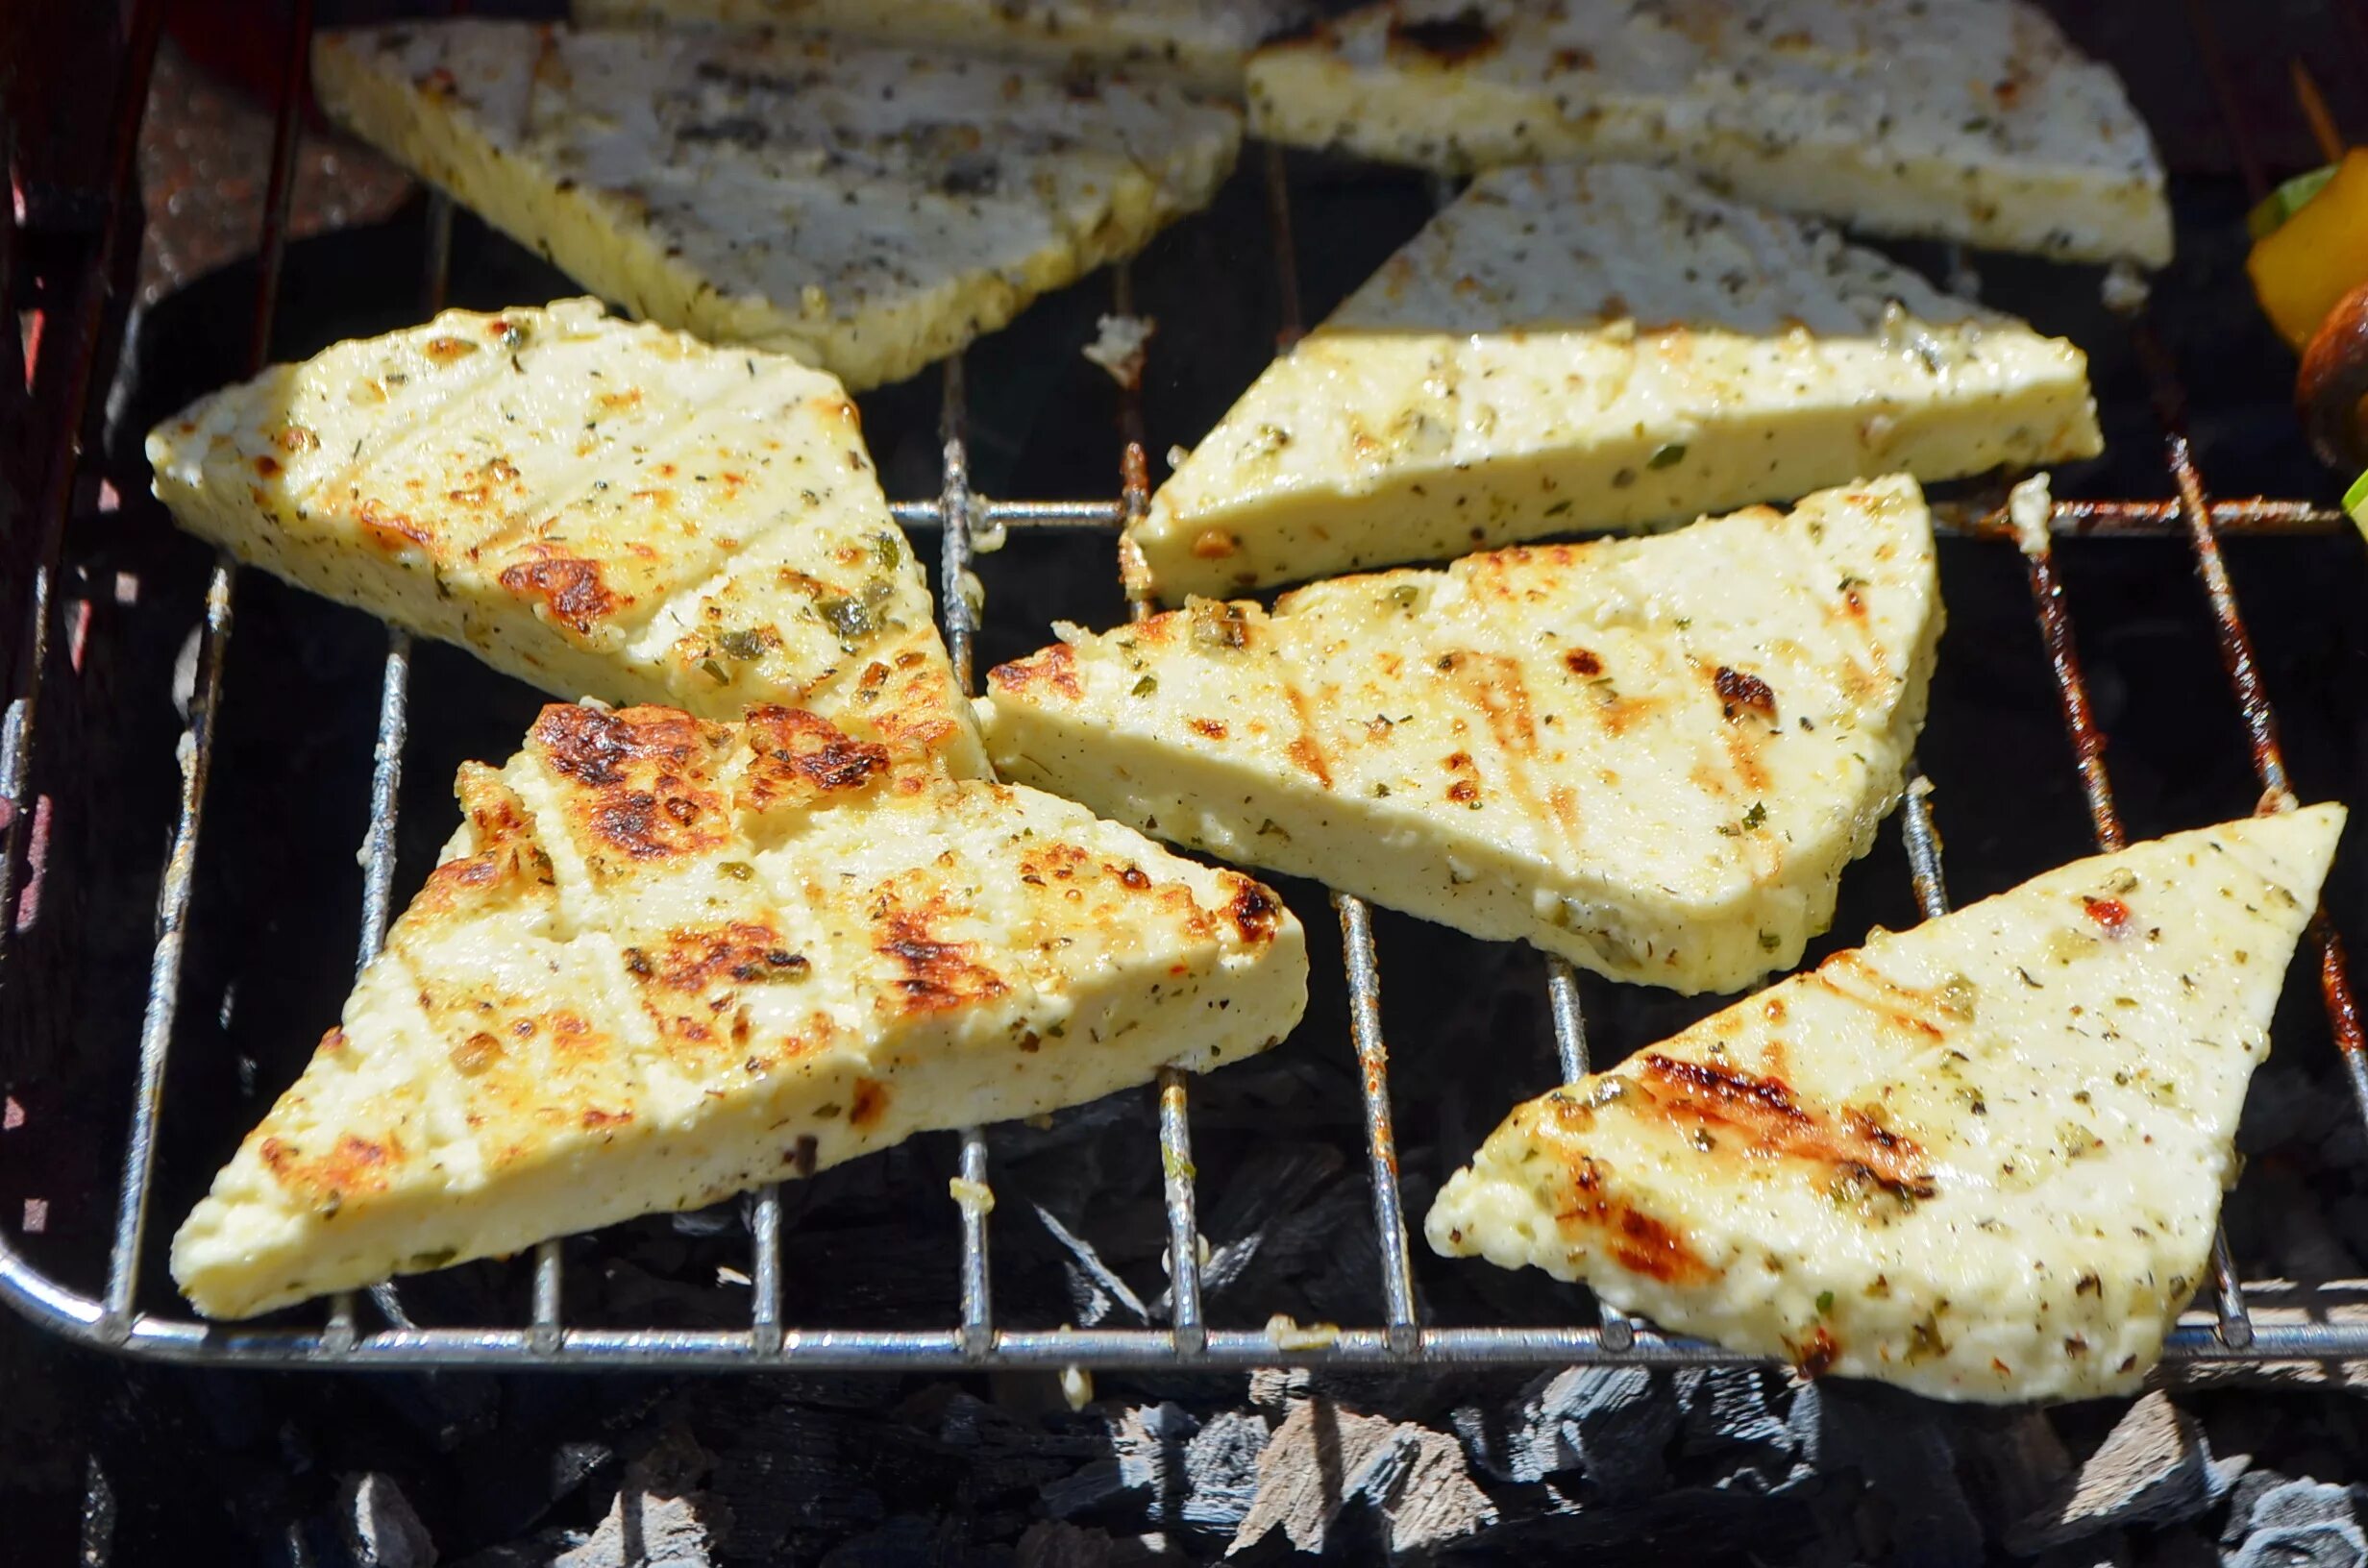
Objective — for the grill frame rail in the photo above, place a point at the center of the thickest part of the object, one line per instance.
(2310, 1324)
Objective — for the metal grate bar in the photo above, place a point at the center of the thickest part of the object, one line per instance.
(1176, 1135)
(1397, 1279)
(765, 1278)
(544, 1337)
(2097, 519)
(956, 504)
(155, 1033)
(196, 749)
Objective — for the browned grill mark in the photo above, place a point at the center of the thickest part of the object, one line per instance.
(1306, 751)
(1740, 691)
(639, 777)
(1635, 1241)
(795, 753)
(570, 589)
(1762, 1113)
(391, 530)
(1055, 667)
(938, 976)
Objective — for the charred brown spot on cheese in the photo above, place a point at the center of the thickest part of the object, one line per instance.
(1448, 39)
(392, 531)
(1214, 544)
(1055, 667)
(1256, 913)
(1742, 692)
(1817, 1353)
(1763, 1114)
(595, 1118)
(1213, 728)
(1580, 662)
(443, 351)
(799, 756)
(641, 778)
(1132, 876)
(570, 589)
(869, 1103)
(354, 1165)
(266, 466)
(696, 960)
(1637, 1241)
(475, 1054)
(937, 977)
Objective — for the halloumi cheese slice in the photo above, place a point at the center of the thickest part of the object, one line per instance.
(593, 506)
(867, 210)
(1203, 41)
(1980, 1159)
(666, 959)
(1970, 120)
(1568, 348)
(1653, 756)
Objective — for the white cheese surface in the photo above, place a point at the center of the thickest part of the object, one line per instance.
(1203, 41)
(665, 961)
(1653, 756)
(1980, 1159)
(1970, 120)
(867, 210)
(596, 507)
(1571, 348)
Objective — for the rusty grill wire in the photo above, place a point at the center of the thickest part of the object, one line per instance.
(2228, 1330)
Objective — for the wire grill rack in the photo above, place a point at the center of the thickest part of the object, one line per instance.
(2227, 1330)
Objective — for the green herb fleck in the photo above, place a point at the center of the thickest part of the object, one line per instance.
(1825, 1302)
(1769, 942)
(1147, 685)
(742, 645)
(886, 551)
(846, 617)
(1666, 457)
(1757, 816)
(739, 871)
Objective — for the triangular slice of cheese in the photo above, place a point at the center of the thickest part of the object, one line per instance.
(1970, 120)
(1573, 348)
(1653, 756)
(1980, 1158)
(666, 959)
(867, 210)
(1205, 43)
(596, 507)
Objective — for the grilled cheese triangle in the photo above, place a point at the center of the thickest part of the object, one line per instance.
(593, 506)
(665, 960)
(1970, 120)
(1980, 1159)
(1653, 756)
(1573, 348)
(1205, 42)
(868, 210)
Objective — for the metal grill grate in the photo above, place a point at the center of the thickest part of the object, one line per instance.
(2226, 1332)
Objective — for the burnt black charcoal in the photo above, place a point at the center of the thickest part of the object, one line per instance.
(1903, 1448)
(382, 1530)
(1614, 1423)
(1332, 1481)
(1146, 1468)
(2155, 1467)
(1095, 1289)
